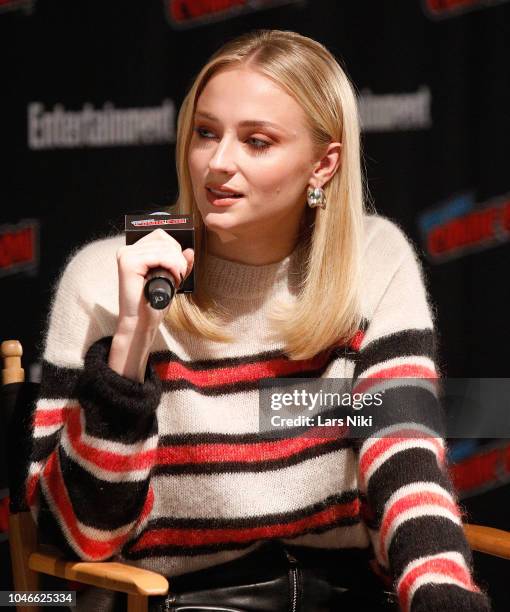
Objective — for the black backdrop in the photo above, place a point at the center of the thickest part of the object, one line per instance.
(90, 92)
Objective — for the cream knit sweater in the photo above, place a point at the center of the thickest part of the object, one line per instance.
(173, 475)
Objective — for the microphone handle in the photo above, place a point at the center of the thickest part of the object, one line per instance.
(159, 288)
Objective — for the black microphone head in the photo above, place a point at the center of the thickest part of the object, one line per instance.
(159, 292)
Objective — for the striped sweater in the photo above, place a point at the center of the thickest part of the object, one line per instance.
(174, 474)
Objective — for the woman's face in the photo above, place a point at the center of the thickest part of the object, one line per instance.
(250, 137)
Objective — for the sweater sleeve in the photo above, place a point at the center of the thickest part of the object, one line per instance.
(411, 511)
(94, 432)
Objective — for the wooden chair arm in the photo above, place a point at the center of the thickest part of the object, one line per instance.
(106, 575)
(488, 540)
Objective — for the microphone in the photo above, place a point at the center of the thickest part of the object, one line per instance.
(159, 289)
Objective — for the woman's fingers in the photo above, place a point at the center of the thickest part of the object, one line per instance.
(157, 249)
(189, 255)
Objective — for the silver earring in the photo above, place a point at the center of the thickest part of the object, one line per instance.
(316, 196)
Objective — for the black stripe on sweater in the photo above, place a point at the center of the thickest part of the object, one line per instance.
(448, 598)
(129, 429)
(219, 467)
(406, 343)
(43, 447)
(191, 551)
(116, 407)
(423, 536)
(50, 532)
(168, 357)
(100, 503)
(403, 468)
(58, 382)
(193, 439)
(407, 405)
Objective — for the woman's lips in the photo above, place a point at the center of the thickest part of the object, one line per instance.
(217, 201)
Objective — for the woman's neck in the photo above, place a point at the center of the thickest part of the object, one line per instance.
(226, 278)
(249, 252)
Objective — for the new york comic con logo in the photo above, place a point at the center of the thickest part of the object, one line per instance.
(151, 222)
(19, 247)
(190, 13)
(441, 9)
(460, 225)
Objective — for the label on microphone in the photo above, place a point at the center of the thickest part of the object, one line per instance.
(180, 227)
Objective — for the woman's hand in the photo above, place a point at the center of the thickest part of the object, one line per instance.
(138, 321)
(155, 250)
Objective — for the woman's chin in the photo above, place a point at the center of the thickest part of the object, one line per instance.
(227, 221)
(226, 230)
(220, 219)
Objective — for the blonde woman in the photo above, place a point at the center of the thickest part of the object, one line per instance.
(147, 445)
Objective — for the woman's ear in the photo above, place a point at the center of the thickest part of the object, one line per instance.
(327, 165)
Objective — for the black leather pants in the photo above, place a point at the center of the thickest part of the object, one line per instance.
(272, 580)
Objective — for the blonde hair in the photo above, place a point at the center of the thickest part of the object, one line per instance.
(327, 307)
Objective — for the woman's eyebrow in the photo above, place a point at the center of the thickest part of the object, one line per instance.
(246, 122)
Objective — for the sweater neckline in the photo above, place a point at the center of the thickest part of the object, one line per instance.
(232, 279)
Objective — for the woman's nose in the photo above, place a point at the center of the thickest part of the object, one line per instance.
(223, 158)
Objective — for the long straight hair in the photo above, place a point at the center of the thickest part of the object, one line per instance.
(326, 310)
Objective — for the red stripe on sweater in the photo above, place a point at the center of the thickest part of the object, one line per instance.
(446, 567)
(31, 488)
(147, 507)
(107, 460)
(54, 416)
(356, 341)
(193, 454)
(246, 453)
(408, 370)
(189, 538)
(384, 444)
(92, 549)
(273, 368)
(413, 500)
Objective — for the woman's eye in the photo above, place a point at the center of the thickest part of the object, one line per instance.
(200, 131)
(255, 143)
(259, 144)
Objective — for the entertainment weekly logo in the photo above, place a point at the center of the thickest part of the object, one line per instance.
(394, 112)
(183, 14)
(442, 9)
(460, 226)
(108, 126)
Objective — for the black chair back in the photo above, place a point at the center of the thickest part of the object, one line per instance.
(17, 405)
